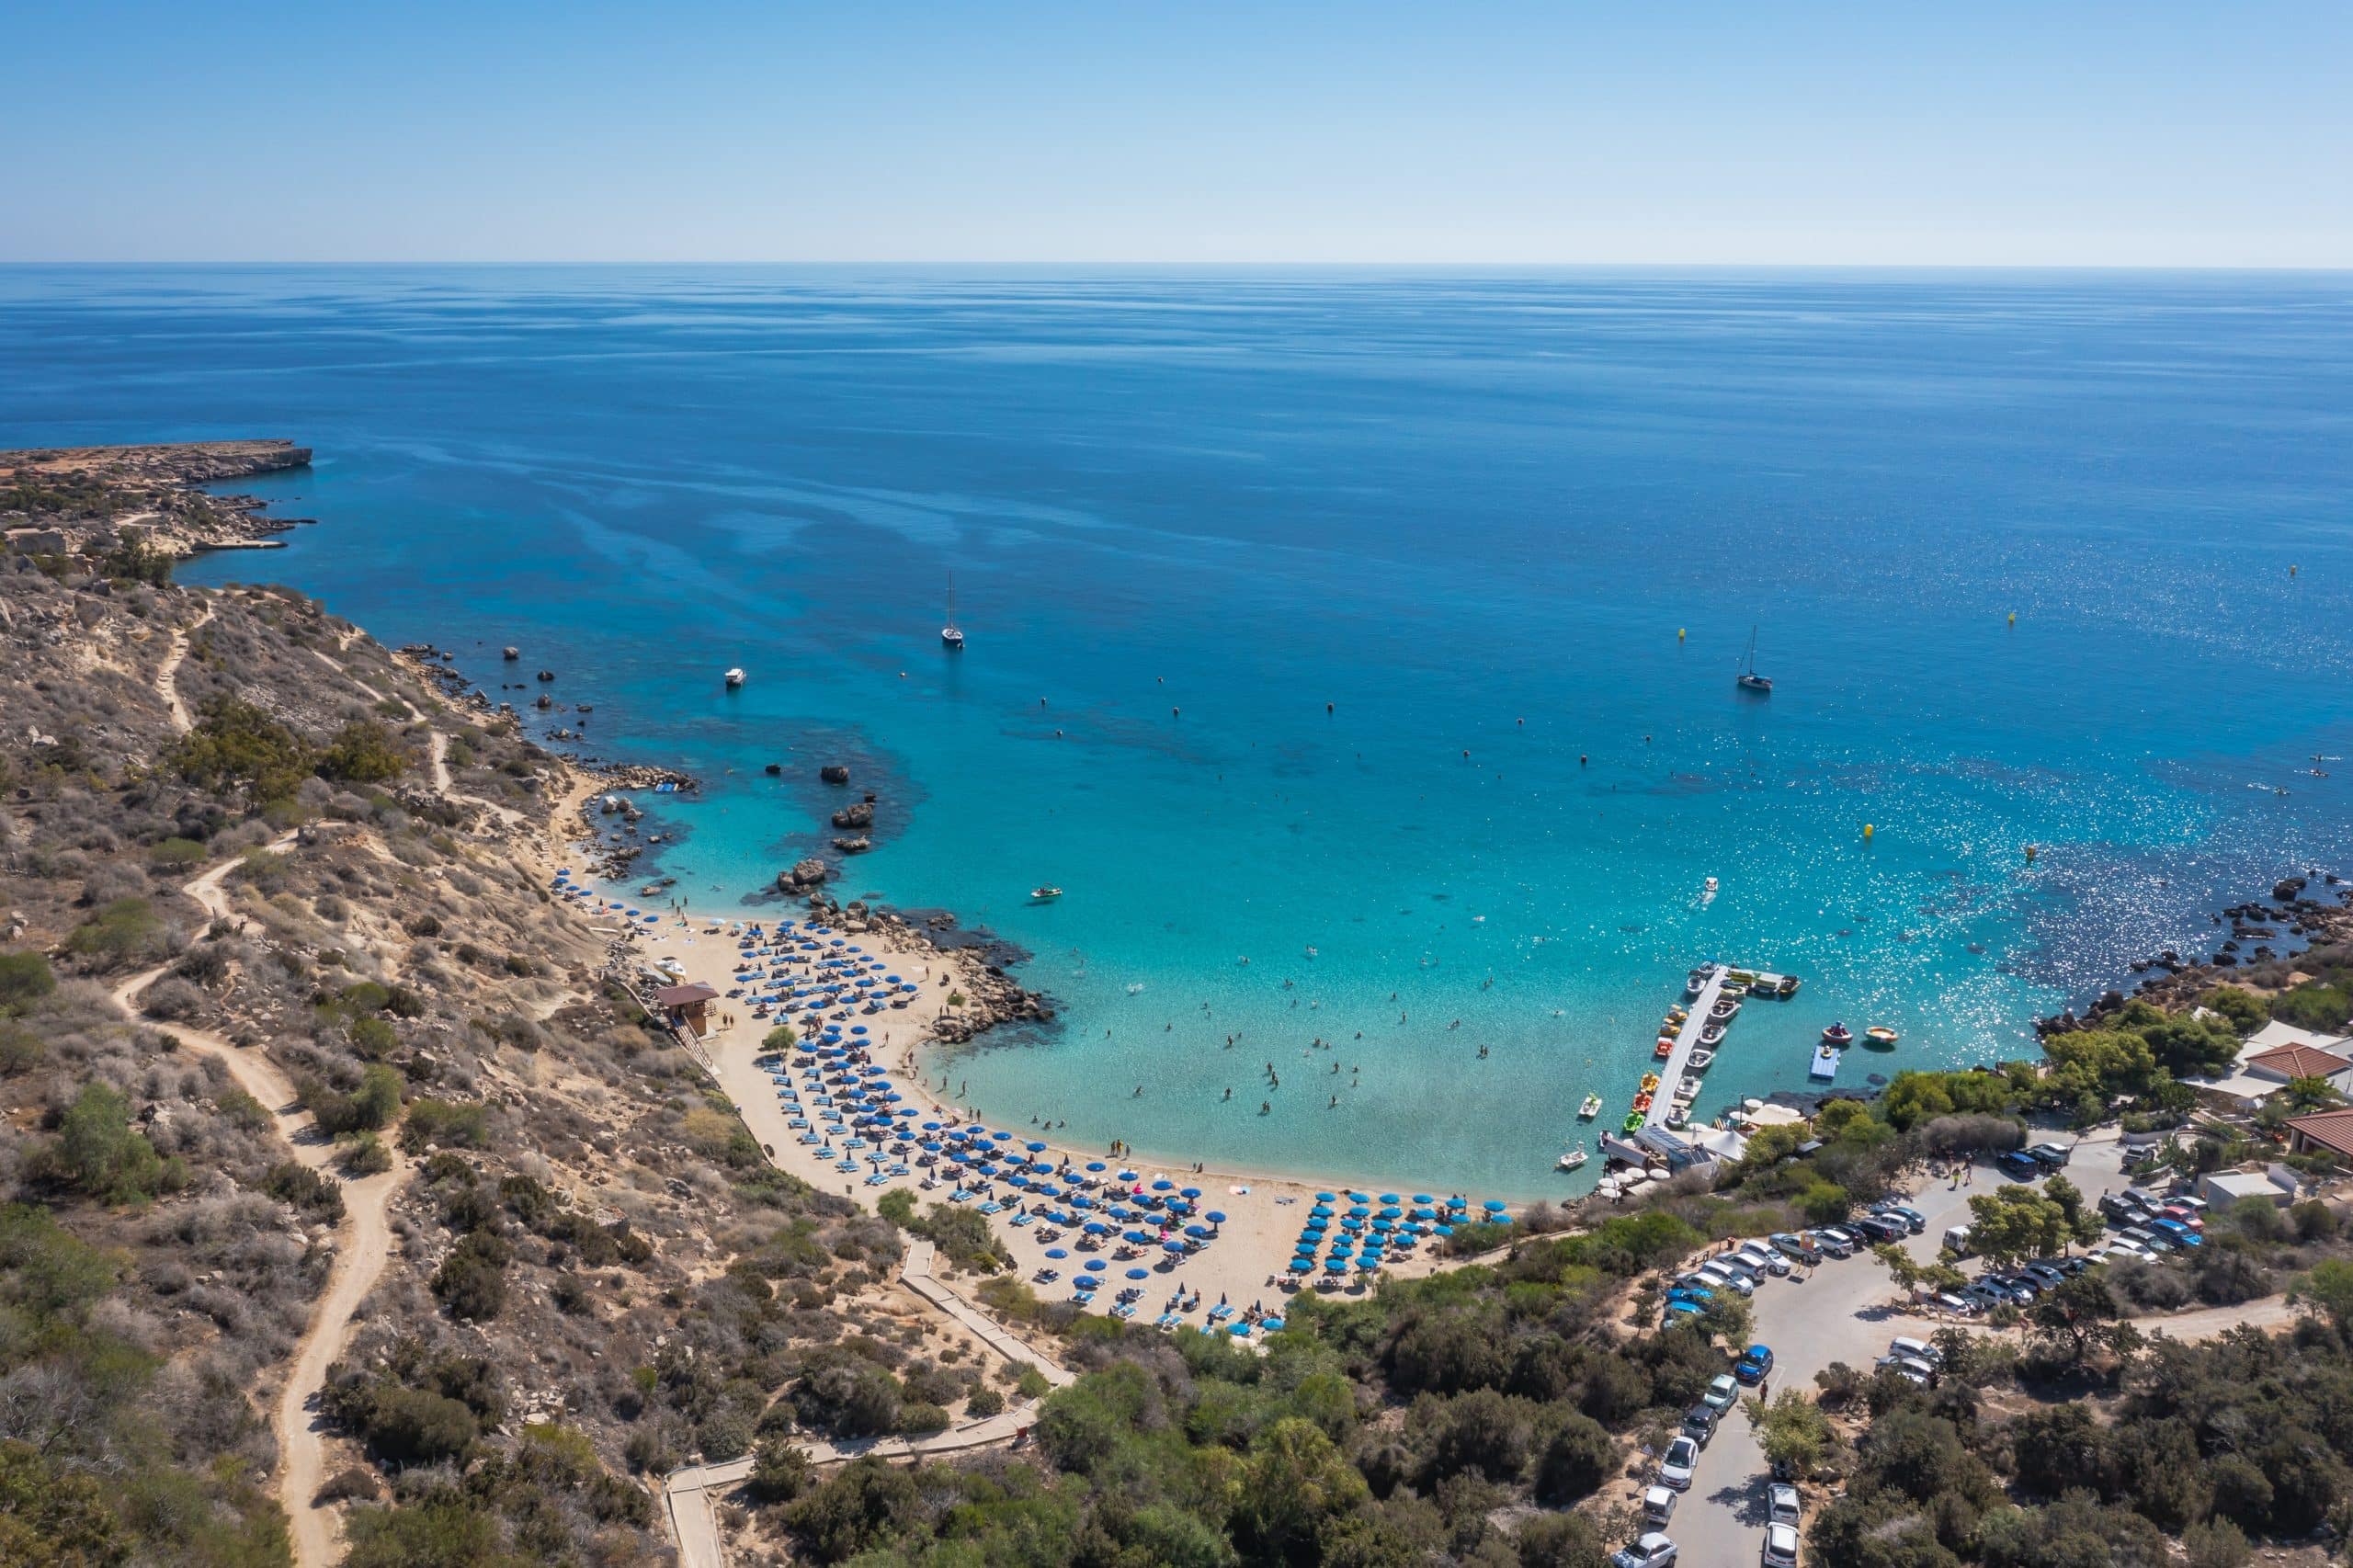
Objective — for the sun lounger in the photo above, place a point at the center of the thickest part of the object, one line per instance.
(1167, 1322)
(992, 1208)
(1123, 1311)
(1021, 1219)
(1082, 1298)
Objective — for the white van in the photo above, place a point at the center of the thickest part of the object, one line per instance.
(1956, 1241)
(1658, 1504)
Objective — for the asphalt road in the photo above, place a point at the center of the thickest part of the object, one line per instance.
(1845, 1311)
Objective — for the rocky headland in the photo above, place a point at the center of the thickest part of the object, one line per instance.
(89, 500)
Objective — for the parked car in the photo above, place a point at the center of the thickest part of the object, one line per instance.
(1652, 1550)
(1734, 1263)
(1678, 1465)
(1988, 1297)
(2049, 1276)
(2019, 1164)
(1700, 1424)
(1918, 1349)
(2023, 1287)
(1793, 1245)
(1759, 1255)
(2177, 1233)
(1781, 1504)
(1911, 1369)
(1960, 1305)
(1781, 1547)
(2051, 1156)
(1755, 1365)
(1840, 1236)
(2116, 1206)
(1691, 1285)
(1658, 1504)
(1881, 1228)
(2195, 1205)
(2148, 1239)
(1914, 1220)
(1722, 1393)
(1679, 1311)
(1729, 1279)
(2184, 1213)
(2070, 1267)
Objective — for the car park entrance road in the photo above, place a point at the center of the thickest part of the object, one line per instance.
(1841, 1310)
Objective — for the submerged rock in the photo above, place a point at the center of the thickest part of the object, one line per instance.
(834, 773)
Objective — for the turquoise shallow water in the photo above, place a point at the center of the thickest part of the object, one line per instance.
(1468, 512)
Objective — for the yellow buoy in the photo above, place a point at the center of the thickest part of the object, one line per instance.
(2291, 571)
(1679, 632)
(1867, 830)
(2030, 853)
(2014, 617)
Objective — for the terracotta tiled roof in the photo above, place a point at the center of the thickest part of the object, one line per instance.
(2297, 1061)
(2329, 1128)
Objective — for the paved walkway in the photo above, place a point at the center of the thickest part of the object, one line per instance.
(687, 1492)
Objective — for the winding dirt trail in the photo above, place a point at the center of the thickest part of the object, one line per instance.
(363, 1245)
(167, 673)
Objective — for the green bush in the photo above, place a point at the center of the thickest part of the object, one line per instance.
(25, 978)
(452, 1123)
(124, 932)
(176, 855)
(99, 1152)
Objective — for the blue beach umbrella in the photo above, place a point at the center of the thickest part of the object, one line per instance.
(1359, 1212)
(1271, 1326)
(1389, 1198)
(1097, 1165)
(1096, 1228)
(1334, 1266)
(1301, 1265)
(1139, 1272)
(1197, 1230)
(1190, 1192)
(1325, 1198)
(1215, 1218)
(1240, 1331)
(1176, 1247)
(1034, 1148)
(1164, 1184)
(1058, 1252)
(1492, 1206)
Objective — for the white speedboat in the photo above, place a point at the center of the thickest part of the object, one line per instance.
(1573, 1159)
(734, 679)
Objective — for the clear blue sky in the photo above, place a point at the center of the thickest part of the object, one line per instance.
(2156, 134)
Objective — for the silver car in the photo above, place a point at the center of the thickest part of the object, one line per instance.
(1782, 1504)
(1781, 1547)
(1764, 1258)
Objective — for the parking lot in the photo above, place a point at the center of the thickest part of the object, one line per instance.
(1841, 1310)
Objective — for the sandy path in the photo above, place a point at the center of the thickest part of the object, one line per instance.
(363, 1245)
(687, 1492)
(438, 747)
(167, 673)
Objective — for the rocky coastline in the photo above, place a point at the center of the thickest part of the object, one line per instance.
(88, 500)
(2258, 936)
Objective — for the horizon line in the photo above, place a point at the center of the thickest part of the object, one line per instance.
(2328, 269)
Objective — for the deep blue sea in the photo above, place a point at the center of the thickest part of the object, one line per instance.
(1356, 648)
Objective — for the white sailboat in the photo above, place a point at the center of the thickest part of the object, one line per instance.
(950, 634)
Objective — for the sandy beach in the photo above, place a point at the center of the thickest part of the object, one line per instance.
(1241, 1268)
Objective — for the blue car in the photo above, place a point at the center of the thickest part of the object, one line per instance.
(1678, 1312)
(1698, 1294)
(2177, 1233)
(1755, 1365)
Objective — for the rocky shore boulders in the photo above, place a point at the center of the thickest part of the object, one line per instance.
(834, 773)
(801, 876)
(859, 815)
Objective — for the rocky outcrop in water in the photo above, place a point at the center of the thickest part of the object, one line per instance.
(801, 876)
(834, 773)
(856, 816)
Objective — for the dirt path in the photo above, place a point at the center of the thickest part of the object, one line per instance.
(687, 1492)
(437, 746)
(167, 673)
(362, 1244)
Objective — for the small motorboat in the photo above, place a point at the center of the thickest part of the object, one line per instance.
(1573, 1159)
(1591, 1108)
(1880, 1036)
(1838, 1036)
(1700, 1059)
(1734, 989)
(1711, 1034)
(1697, 981)
(1787, 988)
(1723, 1011)
(1045, 895)
(734, 678)
(1674, 1119)
(1708, 886)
